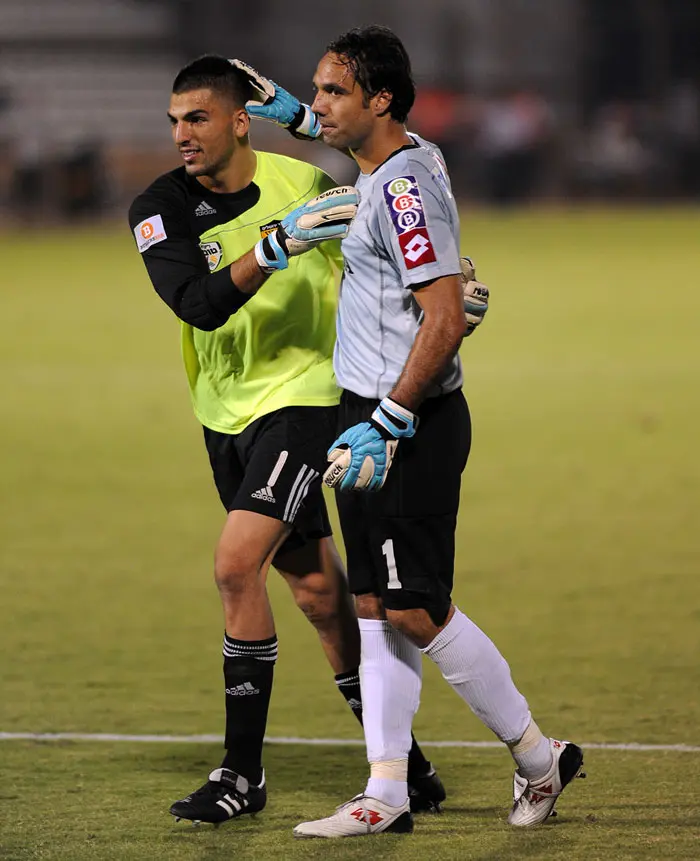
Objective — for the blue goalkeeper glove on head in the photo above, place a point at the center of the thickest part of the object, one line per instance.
(361, 456)
(274, 104)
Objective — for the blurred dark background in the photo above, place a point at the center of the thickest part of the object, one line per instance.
(531, 100)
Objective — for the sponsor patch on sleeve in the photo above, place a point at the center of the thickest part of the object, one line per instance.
(267, 229)
(212, 252)
(149, 232)
(405, 205)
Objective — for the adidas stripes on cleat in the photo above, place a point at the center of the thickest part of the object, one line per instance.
(359, 817)
(534, 800)
(426, 792)
(224, 796)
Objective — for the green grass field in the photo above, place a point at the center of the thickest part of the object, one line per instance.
(578, 552)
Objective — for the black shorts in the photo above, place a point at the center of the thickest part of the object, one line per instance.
(274, 467)
(400, 541)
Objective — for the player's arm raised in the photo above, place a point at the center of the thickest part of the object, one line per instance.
(178, 271)
(276, 105)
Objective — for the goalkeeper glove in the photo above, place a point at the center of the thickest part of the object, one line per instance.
(327, 216)
(275, 104)
(361, 456)
(476, 296)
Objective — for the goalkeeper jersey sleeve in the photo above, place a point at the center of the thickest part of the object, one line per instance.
(174, 260)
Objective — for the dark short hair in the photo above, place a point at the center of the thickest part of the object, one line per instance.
(378, 60)
(215, 73)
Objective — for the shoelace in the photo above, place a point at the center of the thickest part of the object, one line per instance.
(353, 800)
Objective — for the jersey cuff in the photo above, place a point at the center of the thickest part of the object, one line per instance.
(223, 295)
(425, 282)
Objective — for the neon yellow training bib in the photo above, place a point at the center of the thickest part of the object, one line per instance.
(277, 350)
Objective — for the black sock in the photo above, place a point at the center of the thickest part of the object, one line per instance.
(418, 765)
(349, 686)
(248, 670)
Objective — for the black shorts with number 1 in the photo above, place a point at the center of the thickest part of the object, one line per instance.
(400, 541)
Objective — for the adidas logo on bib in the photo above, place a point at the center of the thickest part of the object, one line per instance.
(264, 493)
(204, 209)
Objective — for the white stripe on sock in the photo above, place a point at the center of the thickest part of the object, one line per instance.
(264, 652)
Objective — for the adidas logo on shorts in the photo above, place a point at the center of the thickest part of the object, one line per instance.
(244, 690)
(264, 493)
(204, 209)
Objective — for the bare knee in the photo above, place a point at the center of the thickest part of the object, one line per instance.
(234, 574)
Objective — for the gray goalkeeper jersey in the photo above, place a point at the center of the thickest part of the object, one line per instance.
(406, 232)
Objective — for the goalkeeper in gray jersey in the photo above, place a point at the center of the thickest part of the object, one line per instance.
(404, 438)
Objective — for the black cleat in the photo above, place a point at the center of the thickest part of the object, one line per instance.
(426, 792)
(224, 796)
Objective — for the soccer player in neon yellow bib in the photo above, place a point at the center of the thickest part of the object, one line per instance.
(243, 246)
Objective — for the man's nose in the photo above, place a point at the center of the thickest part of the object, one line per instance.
(182, 133)
(318, 106)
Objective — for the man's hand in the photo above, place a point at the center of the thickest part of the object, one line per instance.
(360, 458)
(274, 104)
(476, 296)
(327, 216)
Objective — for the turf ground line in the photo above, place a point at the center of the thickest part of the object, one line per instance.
(320, 742)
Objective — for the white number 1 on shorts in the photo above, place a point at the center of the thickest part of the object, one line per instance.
(388, 551)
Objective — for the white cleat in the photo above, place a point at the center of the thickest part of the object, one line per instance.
(534, 800)
(357, 818)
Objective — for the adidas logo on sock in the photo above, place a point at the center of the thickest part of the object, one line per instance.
(244, 690)
(204, 209)
(264, 493)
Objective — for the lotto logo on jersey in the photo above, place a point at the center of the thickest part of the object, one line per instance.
(212, 252)
(149, 231)
(416, 247)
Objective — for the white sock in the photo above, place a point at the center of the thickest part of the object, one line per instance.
(532, 753)
(390, 680)
(388, 781)
(477, 671)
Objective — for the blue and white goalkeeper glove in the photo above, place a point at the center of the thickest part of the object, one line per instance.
(361, 456)
(274, 104)
(327, 216)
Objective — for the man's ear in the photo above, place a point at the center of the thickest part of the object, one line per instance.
(241, 122)
(381, 103)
